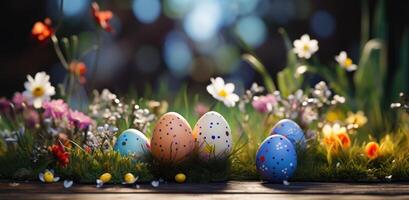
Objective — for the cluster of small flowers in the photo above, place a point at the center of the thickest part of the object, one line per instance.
(108, 108)
(302, 107)
(103, 137)
(254, 90)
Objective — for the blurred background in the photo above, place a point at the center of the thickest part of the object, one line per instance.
(177, 42)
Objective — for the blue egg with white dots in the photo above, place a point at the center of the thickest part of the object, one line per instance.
(276, 159)
(132, 142)
(289, 129)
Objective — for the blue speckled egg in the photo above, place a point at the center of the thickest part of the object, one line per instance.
(132, 142)
(276, 159)
(290, 130)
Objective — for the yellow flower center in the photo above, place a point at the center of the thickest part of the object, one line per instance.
(348, 62)
(38, 91)
(222, 93)
(48, 177)
(306, 47)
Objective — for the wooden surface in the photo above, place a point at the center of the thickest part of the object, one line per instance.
(230, 190)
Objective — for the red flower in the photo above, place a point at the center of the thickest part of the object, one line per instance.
(62, 156)
(42, 30)
(102, 17)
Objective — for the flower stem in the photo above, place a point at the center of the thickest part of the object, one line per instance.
(94, 69)
(58, 51)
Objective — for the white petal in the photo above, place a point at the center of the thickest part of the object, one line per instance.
(41, 177)
(352, 67)
(298, 43)
(229, 87)
(37, 102)
(218, 83)
(305, 38)
(56, 179)
(68, 183)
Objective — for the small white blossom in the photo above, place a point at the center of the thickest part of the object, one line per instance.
(223, 92)
(345, 62)
(305, 47)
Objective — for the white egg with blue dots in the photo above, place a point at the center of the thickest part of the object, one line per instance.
(213, 136)
(290, 130)
(276, 159)
(132, 142)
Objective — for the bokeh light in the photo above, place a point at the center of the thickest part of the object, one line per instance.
(281, 11)
(177, 8)
(226, 58)
(147, 59)
(75, 7)
(203, 22)
(251, 30)
(177, 54)
(146, 11)
(323, 24)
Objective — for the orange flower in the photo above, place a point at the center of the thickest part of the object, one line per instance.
(344, 139)
(336, 136)
(42, 31)
(102, 17)
(79, 69)
(372, 150)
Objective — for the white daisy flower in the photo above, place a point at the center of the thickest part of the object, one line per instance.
(345, 62)
(223, 92)
(48, 176)
(305, 47)
(38, 89)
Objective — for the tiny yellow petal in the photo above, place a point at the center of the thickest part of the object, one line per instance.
(105, 178)
(48, 177)
(180, 178)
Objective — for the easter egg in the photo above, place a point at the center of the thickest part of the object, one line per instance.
(289, 129)
(132, 142)
(276, 159)
(172, 138)
(180, 178)
(213, 136)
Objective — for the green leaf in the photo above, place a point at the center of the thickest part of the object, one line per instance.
(291, 57)
(380, 25)
(365, 29)
(259, 67)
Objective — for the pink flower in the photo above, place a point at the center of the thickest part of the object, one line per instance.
(19, 99)
(79, 119)
(264, 103)
(55, 109)
(201, 109)
(31, 118)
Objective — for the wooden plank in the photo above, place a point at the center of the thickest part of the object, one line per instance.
(120, 196)
(232, 187)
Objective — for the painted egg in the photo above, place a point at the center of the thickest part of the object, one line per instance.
(290, 130)
(213, 136)
(276, 159)
(172, 139)
(132, 142)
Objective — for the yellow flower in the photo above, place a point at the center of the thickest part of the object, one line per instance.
(48, 176)
(335, 136)
(333, 116)
(357, 119)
